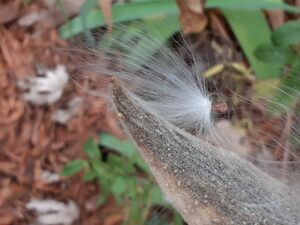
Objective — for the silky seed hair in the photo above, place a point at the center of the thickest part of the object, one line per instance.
(163, 81)
(158, 78)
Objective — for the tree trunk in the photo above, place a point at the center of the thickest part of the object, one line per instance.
(207, 185)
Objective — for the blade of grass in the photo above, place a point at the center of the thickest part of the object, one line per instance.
(252, 30)
(251, 4)
(287, 95)
(85, 8)
(121, 13)
(160, 28)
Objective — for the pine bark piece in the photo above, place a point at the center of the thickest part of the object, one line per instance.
(207, 185)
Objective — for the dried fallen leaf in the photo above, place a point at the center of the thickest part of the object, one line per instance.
(9, 11)
(113, 219)
(276, 18)
(10, 110)
(106, 6)
(47, 87)
(71, 7)
(33, 17)
(51, 212)
(7, 218)
(195, 5)
(218, 25)
(17, 57)
(191, 21)
(7, 168)
(49, 177)
(62, 116)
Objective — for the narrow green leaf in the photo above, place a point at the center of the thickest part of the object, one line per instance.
(157, 218)
(73, 167)
(159, 28)
(288, 92)
(91, 149)
(251, 4)
(288, 34)
(121, 13)
(87, 6)
(273, 54)
(85, 9)
(156, 196)
(178, 220)
(252, 30)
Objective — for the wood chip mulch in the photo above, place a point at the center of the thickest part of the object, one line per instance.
(31, 142)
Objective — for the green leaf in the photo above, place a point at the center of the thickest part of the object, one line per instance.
(160, 29)
(124, 147)
(156, 196)
(90, 175)
(250, 4)
(178, 220)
(121, 13)
(101, 200)
(73, 167)
(288, 92)
(85, 9)
(132, 188)
(157, 218)
(100, 169)
(87, 6)
(120, 164)
(273, 54)
(252, 30)
(91, 149)
(119, 186)
(288, 34)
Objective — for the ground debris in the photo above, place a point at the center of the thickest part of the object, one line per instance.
(50, 212)
(47, 87)
(40, 133)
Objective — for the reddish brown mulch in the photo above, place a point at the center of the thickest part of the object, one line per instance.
(30, 141)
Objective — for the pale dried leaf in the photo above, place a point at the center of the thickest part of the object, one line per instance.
(71, 7)
(47, 89)
(195, 5)
(191, 21)
(33, 17)
(276, 18)
(9, 12)
(62, 116)
(53, 212)
(49, 177)
(218, 25)
(106, 6)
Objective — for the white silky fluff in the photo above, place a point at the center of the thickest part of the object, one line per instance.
(161, 80)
